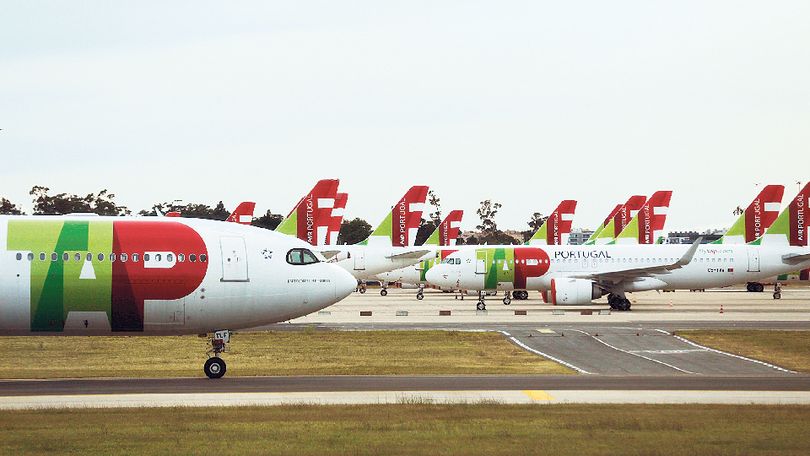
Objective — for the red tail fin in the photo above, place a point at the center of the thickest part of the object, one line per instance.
(243, 214)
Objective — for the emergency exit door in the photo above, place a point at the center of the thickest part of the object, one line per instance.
(234, 259)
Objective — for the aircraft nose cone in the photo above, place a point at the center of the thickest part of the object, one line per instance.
(345, 283)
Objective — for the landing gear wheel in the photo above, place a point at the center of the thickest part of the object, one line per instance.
(481, 306)
(419, 296)
(383, 292)
(362, 290)
(624, 305)
(777, 295)
(214, 367)
(759, 288)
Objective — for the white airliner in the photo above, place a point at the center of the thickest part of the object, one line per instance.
(91, 275)
(390, 246)
(578, 274)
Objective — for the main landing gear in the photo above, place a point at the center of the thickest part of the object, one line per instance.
(618, 302)
(481, 304)
(420, 294)
(215, 366)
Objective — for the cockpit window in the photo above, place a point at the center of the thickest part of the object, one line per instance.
(301, 256)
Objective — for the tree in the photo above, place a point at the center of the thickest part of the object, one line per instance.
(6, 207)
(487, 213)
(534, 223)
(426, 228)
(191, 210)
(353, 231)
(269, 220)
(738, 211)
(64, 203)
(435, 216)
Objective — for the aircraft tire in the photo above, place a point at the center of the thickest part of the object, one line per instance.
(760, 288)
(507, 301)
(214, 367)
(481, 306)
(383, 292)
(777, 295)
(362, 291)
(419, 296)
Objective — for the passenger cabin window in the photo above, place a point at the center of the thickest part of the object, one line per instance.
(301, 256)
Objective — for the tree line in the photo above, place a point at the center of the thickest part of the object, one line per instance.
(351, 231)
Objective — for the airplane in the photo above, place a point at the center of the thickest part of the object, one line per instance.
(444, 235)
(243, 214)
(556, 228)
(617, 220)
(757, 217)
(752, 223)
(390, 245)
(579, 274)
(84, 274)
(647, 226)
(310, 218)
(337, 218)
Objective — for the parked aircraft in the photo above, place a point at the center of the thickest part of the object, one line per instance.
(90, 275)
(647, 226)
(557, 227)
(337, 218)
(243, 214)
(310, 218)
(617, 220)
(390, 245)
(578, 274)
(441, 242)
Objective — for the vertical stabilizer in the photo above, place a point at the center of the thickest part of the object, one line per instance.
(557, 227)
(757, 218)
(309, 220)
(648, 224)
(243, 214)
(790, 228)
(399, 227)
(337, 218)
(447, 232)
(620, 220)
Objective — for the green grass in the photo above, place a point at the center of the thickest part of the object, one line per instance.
(413, 429)
(788, 349)
(273, 353)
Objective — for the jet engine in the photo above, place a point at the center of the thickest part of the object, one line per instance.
(574, 291)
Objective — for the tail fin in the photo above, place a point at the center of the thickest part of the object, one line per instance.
(757, 218)
(337, 218)
(648, 224)
(446, 233)
(243, 214)
(309, 219)
(399, 227)
(790, 228)
(557, 227)
(619, 221)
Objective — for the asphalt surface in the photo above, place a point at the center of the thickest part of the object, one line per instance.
(630, 352)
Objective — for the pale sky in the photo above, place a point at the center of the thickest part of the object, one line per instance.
(524, 103)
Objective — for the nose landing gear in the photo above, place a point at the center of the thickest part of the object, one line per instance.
(215, 366)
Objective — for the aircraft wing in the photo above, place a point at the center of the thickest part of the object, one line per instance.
(631, 274)
(795, 258)
(410, 254)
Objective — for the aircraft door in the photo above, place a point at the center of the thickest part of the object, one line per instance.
(234, 259)
(359, 259)
(481, 262)
(753, 260)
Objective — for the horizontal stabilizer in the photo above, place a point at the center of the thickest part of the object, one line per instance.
(410, 254)
(795, 258)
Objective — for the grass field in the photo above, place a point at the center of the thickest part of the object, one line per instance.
(413, 429)
(273, 353)
(788, 349)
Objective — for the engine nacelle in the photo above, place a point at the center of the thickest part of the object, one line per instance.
(573, 291)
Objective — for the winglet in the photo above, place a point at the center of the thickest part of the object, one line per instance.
(687, 257)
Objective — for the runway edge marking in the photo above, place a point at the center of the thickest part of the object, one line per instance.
(544, 355)
(756, 361)
(636, 354)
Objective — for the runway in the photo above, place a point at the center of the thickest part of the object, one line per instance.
(629, 357)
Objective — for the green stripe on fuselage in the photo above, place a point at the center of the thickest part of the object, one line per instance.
(55, 283)
(500, 267)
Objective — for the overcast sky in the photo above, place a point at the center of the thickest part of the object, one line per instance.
(523, 103)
